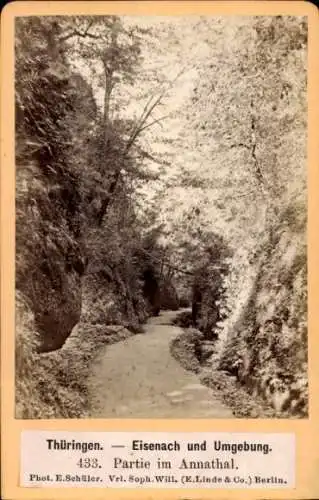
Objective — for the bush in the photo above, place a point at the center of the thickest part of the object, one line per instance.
(208, 291)
(184, 320)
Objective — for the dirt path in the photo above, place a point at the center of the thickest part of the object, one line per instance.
(138, 378)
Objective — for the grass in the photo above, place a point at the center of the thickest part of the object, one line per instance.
(54, 385)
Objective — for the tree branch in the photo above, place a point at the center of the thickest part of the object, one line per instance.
(84, 34)
(145, 154)
(240, 144)
(154, 122)
(175, 268)
(258, 171)
(144, 116)
(148, 109)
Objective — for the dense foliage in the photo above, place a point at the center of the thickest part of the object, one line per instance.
(240, 174)
(81, 254)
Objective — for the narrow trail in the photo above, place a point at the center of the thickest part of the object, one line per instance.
(139, 378)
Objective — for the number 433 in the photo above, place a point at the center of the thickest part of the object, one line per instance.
(88, 463)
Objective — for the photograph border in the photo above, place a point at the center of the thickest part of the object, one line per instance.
(306, 430)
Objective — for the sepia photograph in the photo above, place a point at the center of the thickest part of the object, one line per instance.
(161, 217)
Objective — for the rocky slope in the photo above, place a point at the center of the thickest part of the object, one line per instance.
(266, 347)
(259, 342)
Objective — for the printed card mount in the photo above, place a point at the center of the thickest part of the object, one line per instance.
(159, 250)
